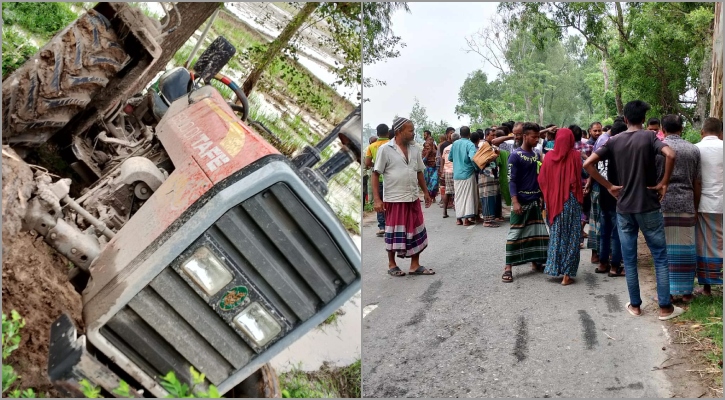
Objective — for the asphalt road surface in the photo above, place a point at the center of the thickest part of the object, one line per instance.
(464, 333)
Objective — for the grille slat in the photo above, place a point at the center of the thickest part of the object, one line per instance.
(315, 234)
(276, 223)
(142, 342)
(182, 298)
(180, 335)
(266, 260)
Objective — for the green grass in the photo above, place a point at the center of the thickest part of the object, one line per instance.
(16, 50)
(705, 316)
(327, 382)
(43, 18)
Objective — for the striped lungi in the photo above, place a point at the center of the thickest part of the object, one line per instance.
(405, 232)
(488, 189)
(708, 239)
(528, 239)
(594, 223)
(681, 253)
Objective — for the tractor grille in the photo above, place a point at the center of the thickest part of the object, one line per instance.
(276, 248)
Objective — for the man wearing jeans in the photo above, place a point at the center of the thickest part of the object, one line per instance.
(638, 201)
(608, 235)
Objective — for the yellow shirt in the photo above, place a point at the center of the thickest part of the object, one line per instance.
(372, 151)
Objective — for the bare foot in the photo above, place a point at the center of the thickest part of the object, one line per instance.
(687, 298)
(567, 280)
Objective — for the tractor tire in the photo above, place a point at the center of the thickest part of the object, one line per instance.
(52, 87)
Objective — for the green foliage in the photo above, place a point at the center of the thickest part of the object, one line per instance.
(653, 51)
(10, 342)
(123, 390)
(177, 389)
(42, 18)
(90, 391)
(327, 382)
(9, 377)
(16, 50)
(691, 135)
(22, 394)
(11, 332)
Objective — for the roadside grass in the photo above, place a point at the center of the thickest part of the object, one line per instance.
(333, 320)
(327, 382)
(41, 18)
(704, 317)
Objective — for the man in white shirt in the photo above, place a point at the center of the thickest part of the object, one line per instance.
(400, 162)
(708, 234)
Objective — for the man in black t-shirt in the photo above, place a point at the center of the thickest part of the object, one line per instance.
(638, 201)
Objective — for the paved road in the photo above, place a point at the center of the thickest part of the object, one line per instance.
(464, 333)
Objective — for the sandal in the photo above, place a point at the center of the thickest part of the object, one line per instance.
(507, 276)
(490, 225)
(599, 271)
(395, 272)
(422, 271)
(620, 269)
(445, 216)
(459, 222)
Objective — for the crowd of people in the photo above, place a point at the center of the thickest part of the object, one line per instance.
(619, 179)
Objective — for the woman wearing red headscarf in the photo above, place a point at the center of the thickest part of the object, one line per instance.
(560, 182)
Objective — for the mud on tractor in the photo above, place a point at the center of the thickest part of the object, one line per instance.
(195, 243)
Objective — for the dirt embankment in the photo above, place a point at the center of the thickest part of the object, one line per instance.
(34, 280)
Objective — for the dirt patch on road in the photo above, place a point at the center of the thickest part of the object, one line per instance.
(692, 375)
(35, 282)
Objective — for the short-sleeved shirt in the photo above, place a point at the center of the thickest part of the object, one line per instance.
(634, 155)
(680, 196)
(606, 168)
(448, 165)
(401, 176)
(711, 164)
(523, 174)
(373, 150)
(462, 152)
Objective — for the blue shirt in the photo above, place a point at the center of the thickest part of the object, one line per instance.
(462, 152)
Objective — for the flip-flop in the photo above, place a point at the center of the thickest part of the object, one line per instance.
(490, 225)
(620, 271)
(422, 271)
(675, 313)
(626, 306)
(395, 272)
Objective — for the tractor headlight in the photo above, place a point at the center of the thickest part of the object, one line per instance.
(207, 271)
(257, 324)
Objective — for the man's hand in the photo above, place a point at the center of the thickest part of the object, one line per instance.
(428, 200)
(661, 190)
(614, 191)
(517, 208)
(379, 206)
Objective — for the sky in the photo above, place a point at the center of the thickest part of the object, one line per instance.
(432, 66)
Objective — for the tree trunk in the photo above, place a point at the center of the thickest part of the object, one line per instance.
(617, 89)
(277, 45)
(716, 96)
(702, 88)
(193, 15)
(605, 72)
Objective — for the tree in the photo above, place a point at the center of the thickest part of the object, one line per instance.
(716, 102)
(276, 46)
(193, 15)
(378, 41)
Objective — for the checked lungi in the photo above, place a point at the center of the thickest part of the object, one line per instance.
(405, 232)
(528, 239)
